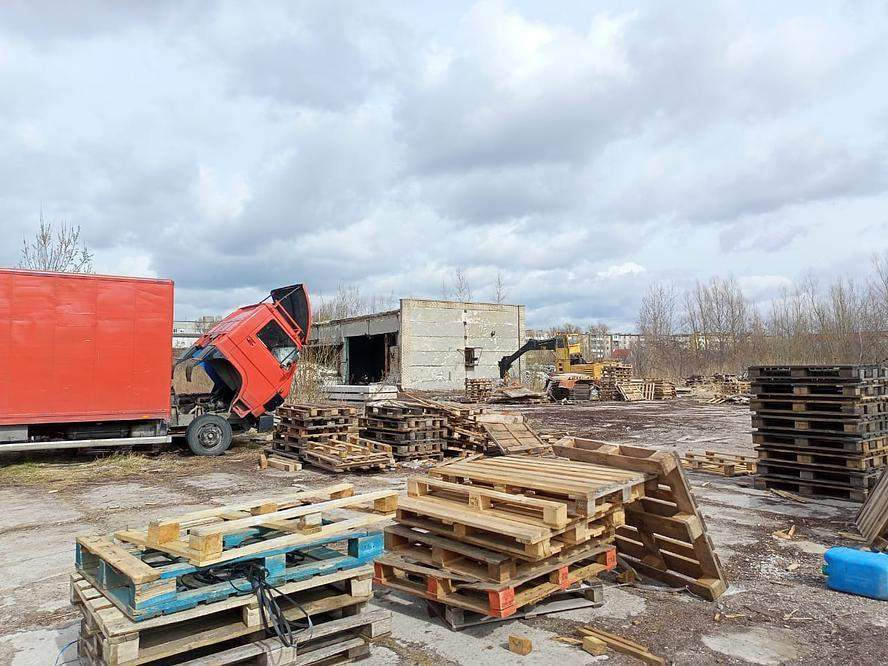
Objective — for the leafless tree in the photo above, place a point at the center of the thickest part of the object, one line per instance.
(346, 302)
(499, 288)
(461, 288)
(56, 247)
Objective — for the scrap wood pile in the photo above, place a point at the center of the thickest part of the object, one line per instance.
(348, 454)
(517, 395)
(406, 427)
(492, 536)
(872, 521)
(184, 587)
(664, 537)
(820, 430)
(478, 390)
(725, 464)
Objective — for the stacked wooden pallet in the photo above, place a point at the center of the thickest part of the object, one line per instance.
(611, 376)
(665, 535)
(478, 390)
(406, 428)
(300, 423)
(494, 535)
(349, 454)
(184, 587)
(820, 430)
(725, 464)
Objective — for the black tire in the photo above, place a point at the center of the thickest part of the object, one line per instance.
(208, 435)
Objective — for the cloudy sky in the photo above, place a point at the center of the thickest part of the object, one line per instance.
(582, 149)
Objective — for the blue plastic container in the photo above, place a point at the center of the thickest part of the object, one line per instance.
(857, 572)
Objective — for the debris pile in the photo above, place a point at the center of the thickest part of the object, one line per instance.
(186, 587)
(820, 430)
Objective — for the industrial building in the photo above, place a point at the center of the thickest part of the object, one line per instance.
(424, 344)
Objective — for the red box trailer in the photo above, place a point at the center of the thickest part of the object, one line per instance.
(77, 348)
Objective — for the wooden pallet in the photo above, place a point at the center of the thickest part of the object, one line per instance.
(217, 535)
(846, 372)
(489, 599)
(814, 474)
(830, 459)
(588, 490)
(834, 443)
(811, 488)
(814, 407)
(478, 390)
(231, 630)
(629, 392)
(856, 426)
(514, 438)
(872, 521)
(725, 464)
(665, 535)
(355, 453)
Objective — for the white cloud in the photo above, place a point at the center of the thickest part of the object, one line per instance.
(581, 150)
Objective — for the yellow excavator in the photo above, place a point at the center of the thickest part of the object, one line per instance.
(572, 370)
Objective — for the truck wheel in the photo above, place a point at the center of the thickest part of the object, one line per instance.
(209, 435)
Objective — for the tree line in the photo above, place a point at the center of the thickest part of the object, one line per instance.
(713, 327)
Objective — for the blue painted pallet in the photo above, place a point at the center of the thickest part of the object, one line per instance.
(170, 593)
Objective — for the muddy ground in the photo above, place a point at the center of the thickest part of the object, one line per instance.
(776, 611)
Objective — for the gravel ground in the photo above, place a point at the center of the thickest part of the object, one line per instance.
(776, 610)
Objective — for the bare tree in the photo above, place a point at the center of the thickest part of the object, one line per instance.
(56, 247)
(346, 302)
(446, 294)
(461, 288)
(499, 288)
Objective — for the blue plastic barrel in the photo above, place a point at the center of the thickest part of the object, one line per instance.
(857, 572)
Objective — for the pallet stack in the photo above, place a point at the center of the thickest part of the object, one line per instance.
(724, 464)
(298, 424)
(490, 537)
(663, 389)
(182, 588)
(351, 454)
(406, 428)
(478, 390)
(611, 376)
(820, 430)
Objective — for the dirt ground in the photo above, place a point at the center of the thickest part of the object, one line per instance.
(776, 611)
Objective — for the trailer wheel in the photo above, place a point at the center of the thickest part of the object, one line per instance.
(209, 435)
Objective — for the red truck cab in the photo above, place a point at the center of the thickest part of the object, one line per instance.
(250, 356)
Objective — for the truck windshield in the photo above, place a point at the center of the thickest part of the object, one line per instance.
(278, 342)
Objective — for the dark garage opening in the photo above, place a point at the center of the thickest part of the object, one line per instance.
(367, 355)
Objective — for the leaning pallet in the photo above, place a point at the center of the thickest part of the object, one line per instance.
(232, 630)
(298, 424)
(346, 455)
(872, 521)
(820, 430)
(493, 535)
(665, 535)
(174, 564)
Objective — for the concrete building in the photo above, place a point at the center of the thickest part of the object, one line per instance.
(424, 344)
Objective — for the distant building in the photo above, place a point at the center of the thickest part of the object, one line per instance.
(185, 332)
(424, 344)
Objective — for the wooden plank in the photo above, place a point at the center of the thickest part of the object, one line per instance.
(624, 646)
(872, 520)
(119, 558)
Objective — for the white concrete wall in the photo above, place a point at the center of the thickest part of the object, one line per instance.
(435, 334)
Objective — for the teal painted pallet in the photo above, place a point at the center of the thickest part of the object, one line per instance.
(181, 585)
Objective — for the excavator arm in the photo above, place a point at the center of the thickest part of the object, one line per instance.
(531, 345)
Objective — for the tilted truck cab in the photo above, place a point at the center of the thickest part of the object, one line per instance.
(250, 356)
